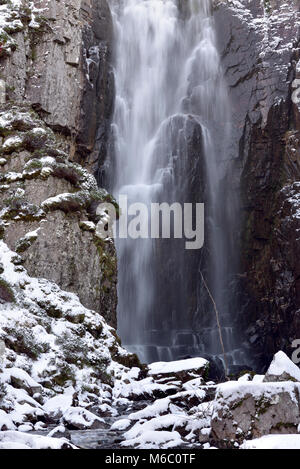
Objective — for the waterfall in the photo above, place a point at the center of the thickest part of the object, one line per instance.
(171, 133)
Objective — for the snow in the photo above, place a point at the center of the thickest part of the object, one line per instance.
(81, 418)
(245, 378)
(146, 387)
(273, 442)
(233, 390)
(177, 366)
(59, 404)
(122, 424)
(26, 316)
(20, 440)
(157, 423)
(60, 429)
(152, 439)
(282, 364)
(39, 131)
(193, 384)
(25, 428)
(11, 142)
(21, 376)
(158, 407)
(258, 378)
(6, 422)
(10, 445)
(88, 225)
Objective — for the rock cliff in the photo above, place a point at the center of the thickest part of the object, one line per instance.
(54, 69)
(260, 49)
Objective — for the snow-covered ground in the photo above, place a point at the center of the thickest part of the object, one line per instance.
(58, 377)
(47, 403)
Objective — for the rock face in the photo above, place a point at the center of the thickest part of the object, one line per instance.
(49, 213)
(260, 49)
(58, 63)
(58, 355)
(55, 66)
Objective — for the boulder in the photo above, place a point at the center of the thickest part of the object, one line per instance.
(251, 410)
(60, 432)
(78, 418)
(183, 370)
(19, 440)
(57, 405)
(282, 369)
(6, 422)
(21, 380)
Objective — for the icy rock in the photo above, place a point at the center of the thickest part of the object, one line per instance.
(282, 369)
(244, 410)
(79, 418)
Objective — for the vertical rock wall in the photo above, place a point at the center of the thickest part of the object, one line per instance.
(54, 62)
(260, 48)
(60, 66)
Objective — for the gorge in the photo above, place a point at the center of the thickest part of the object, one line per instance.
(161, 101)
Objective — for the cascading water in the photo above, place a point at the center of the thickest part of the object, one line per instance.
(171, 134)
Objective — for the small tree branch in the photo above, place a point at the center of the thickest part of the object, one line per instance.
(219, 325)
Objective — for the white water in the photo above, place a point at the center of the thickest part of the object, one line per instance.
(166, 65)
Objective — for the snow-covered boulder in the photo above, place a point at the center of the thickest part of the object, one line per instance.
(60, 432)
(147, 388)
(57, 405)
(184, 370)
(6, 422)
(21, 379)
(251, 410)
(152, 439)
(18, 440)
(282, 369)
(78, 418)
